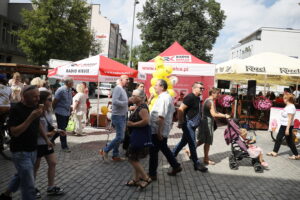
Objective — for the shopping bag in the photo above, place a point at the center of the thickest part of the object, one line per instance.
(71, 124)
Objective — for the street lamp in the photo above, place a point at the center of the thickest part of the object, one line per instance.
(133, 18)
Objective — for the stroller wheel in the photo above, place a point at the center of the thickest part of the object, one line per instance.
(258, 168)
(233, 164)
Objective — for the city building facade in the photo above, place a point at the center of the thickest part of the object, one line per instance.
(107, 34)
(277, 40)
(11, 20)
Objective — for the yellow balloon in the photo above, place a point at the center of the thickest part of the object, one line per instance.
(104, 110)
(172, 92)
(153, 81)
(153, 102)
(169, 82)
(168, 70)
(157, 75)
(152, 91)
(162, 72)
(159, 62)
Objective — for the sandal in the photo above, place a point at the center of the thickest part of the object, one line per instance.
(148, 181)
(209, 162)
(273, 154)
(294, 157)
(132, 183)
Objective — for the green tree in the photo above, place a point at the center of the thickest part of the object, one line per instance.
(195, 24)
(57, 29)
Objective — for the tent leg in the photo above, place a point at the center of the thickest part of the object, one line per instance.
(236, 101)
(98, 101)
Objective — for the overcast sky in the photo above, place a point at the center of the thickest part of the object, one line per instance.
(243, 18)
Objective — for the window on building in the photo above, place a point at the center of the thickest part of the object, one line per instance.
(13, 37)
(5, 28)
(8, 59)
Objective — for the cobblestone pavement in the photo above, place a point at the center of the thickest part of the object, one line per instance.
(84, 175)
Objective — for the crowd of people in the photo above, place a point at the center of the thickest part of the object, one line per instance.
(30, 107)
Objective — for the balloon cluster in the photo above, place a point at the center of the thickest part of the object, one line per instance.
(162, 72)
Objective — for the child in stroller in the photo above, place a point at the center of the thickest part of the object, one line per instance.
(253, 151)
(239, 147)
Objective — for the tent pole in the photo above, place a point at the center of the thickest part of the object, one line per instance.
(98, 99)
(265, 84)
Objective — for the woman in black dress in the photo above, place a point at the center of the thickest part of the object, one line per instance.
(140, 139)
(207, 127)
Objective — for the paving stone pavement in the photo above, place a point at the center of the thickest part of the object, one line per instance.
(84, 175)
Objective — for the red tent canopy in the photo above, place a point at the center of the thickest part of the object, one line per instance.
(90, 68)
(186, 67)
(176, 53)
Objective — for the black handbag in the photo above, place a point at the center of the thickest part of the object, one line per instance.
(49, 126)
(195, 121)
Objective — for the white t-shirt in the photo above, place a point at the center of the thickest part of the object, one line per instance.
(81, 98)
(5, 93)
(163, 107)
(289, 109)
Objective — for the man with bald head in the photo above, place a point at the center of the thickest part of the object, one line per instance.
(118, 118)
(24, 125)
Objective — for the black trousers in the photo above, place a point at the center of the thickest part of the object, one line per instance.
(163, 147)
(288, 138)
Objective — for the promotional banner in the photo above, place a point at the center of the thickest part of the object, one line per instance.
(90, 69)
(275, 114)
(181, 68)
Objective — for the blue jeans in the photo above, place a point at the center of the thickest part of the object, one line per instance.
(24, 163)
(163, 146)
(119, 122)
(188, 137)
(62, 123)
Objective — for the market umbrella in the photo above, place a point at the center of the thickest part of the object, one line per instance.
(267, 67)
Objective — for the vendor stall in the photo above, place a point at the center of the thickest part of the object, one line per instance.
(186, 67)
(266, 69)
(94, 69)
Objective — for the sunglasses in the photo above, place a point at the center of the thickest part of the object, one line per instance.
(201, 88)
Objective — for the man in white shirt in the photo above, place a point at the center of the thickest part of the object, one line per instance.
(161, 123)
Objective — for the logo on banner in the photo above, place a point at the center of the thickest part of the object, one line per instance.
(289, 71)
(178, 58)
(255, 69)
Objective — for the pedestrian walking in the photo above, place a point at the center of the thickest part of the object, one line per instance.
(189, 116)
(207, 125)
(43, 150)
(79, 108)
(24, 125)
(286, 128)
(118, 118)
(161, 117)
(62, 108)
(16, 87)
(140, 139)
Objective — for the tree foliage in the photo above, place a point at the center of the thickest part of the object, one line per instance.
(195, 24)
(57, 29)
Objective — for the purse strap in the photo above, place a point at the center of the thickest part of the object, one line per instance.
(48, 123)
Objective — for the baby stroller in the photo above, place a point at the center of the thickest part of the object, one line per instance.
(238, 147)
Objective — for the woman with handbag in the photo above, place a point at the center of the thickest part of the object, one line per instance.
(43, 150)
(140, 139)
(208, 125)
(79, 108)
